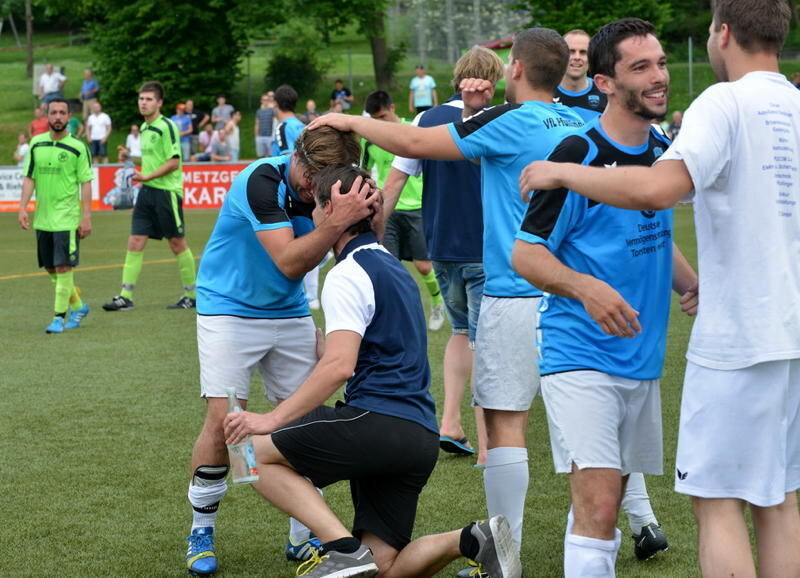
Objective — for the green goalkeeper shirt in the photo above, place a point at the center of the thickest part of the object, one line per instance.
(58, 167)
(161, 142)
(411, 196)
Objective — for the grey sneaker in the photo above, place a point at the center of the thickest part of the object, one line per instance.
(496, 554)
(436, 320)
(333, 564)
(650, 541)
(119, 304)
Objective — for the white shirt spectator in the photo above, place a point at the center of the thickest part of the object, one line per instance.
(98, 125)
(51, 82)
(134, 145)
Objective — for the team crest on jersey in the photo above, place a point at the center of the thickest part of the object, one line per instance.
(62, 157)
(594, 100)
(153, 137)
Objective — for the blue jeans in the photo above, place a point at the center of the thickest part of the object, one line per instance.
(461, 285)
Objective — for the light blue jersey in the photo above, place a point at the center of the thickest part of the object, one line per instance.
(506, 139)
(286, 134)
(630, 250)
(236, 274)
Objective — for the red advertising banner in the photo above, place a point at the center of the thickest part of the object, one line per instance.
(204, 186)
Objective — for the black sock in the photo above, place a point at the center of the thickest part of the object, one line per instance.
(468, 544)
(343, 545)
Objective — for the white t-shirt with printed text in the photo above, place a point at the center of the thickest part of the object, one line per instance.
(740, 142)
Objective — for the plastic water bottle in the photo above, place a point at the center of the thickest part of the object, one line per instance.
(243, 454)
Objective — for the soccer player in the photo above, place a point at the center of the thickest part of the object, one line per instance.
(251, 310)
(581, 94)
(452, 219)
(733, 155)
(403, 237)
(159, 207)
(505, 138)
(577, 90)
(59, 168)
(603, 324)
(289, 126)
(377, 343)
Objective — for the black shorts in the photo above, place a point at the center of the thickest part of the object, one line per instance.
(386, 459)
(404, 237)
(57, 248)
(158, 214)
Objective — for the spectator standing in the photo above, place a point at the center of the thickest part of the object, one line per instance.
(422, 91)
(199, 120)
(221, 113)
(675, 126)
(184, 124)
(232, 134)
(88, 95)
(342, 94)
(75, 127)
(39, 123)
(98, 129)
(265, 114)
(50, 84)
(133, 143)
(22, 149)
(311, 111)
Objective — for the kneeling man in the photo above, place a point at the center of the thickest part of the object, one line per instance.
(377, 343)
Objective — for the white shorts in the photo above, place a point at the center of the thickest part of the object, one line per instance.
(506, 368)
(598, 420)
(739, 435)
(230, 349)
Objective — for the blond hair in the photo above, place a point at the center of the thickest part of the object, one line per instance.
(478, 62)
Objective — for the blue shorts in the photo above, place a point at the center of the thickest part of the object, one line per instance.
(461, 285)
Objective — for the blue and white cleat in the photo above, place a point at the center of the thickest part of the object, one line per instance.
(56, 326)
(200, 557)
(76, 316)
(302, 551)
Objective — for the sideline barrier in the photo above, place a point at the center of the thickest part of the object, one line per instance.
(204, 185)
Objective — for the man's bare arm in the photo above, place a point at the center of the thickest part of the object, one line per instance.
(629, 187)
(392, 188)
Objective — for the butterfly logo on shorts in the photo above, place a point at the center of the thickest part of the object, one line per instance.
(681, 475)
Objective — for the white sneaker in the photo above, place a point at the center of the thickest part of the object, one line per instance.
(314, 304)
(436, 320)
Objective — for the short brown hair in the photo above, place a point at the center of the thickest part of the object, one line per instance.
(325, 146)
(325, 180)
(478, 62)
(153, 86)
(545, 55)
(757, 25)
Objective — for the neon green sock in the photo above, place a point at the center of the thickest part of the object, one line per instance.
(187, 272)
(75, 301)
(130, 272)
(64, 288)
(433, 288)
(53, 279)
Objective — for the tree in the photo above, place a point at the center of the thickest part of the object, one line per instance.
(194, 49)
(299, 58)
(590, 15)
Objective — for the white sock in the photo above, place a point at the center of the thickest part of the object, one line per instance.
(584, 556)
(206, 490)
(505, 481)
(636, 504)
(311, 284)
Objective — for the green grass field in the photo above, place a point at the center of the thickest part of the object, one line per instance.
(98, 426)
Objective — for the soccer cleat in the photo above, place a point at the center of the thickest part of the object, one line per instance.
(302, 551)
(200, 556)
(650, 541)
(333, 564)
(184, 303)
(474, 571)
(119, 303)
(76, 316)
(436, 320)
(56, 325)
(496, 556)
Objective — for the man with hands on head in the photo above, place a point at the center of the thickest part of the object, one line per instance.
(377, 343)
(505, 138)
(607, 275)
(744, 353)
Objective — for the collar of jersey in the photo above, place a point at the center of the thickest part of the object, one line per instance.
(355, 243)
(637, 150)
